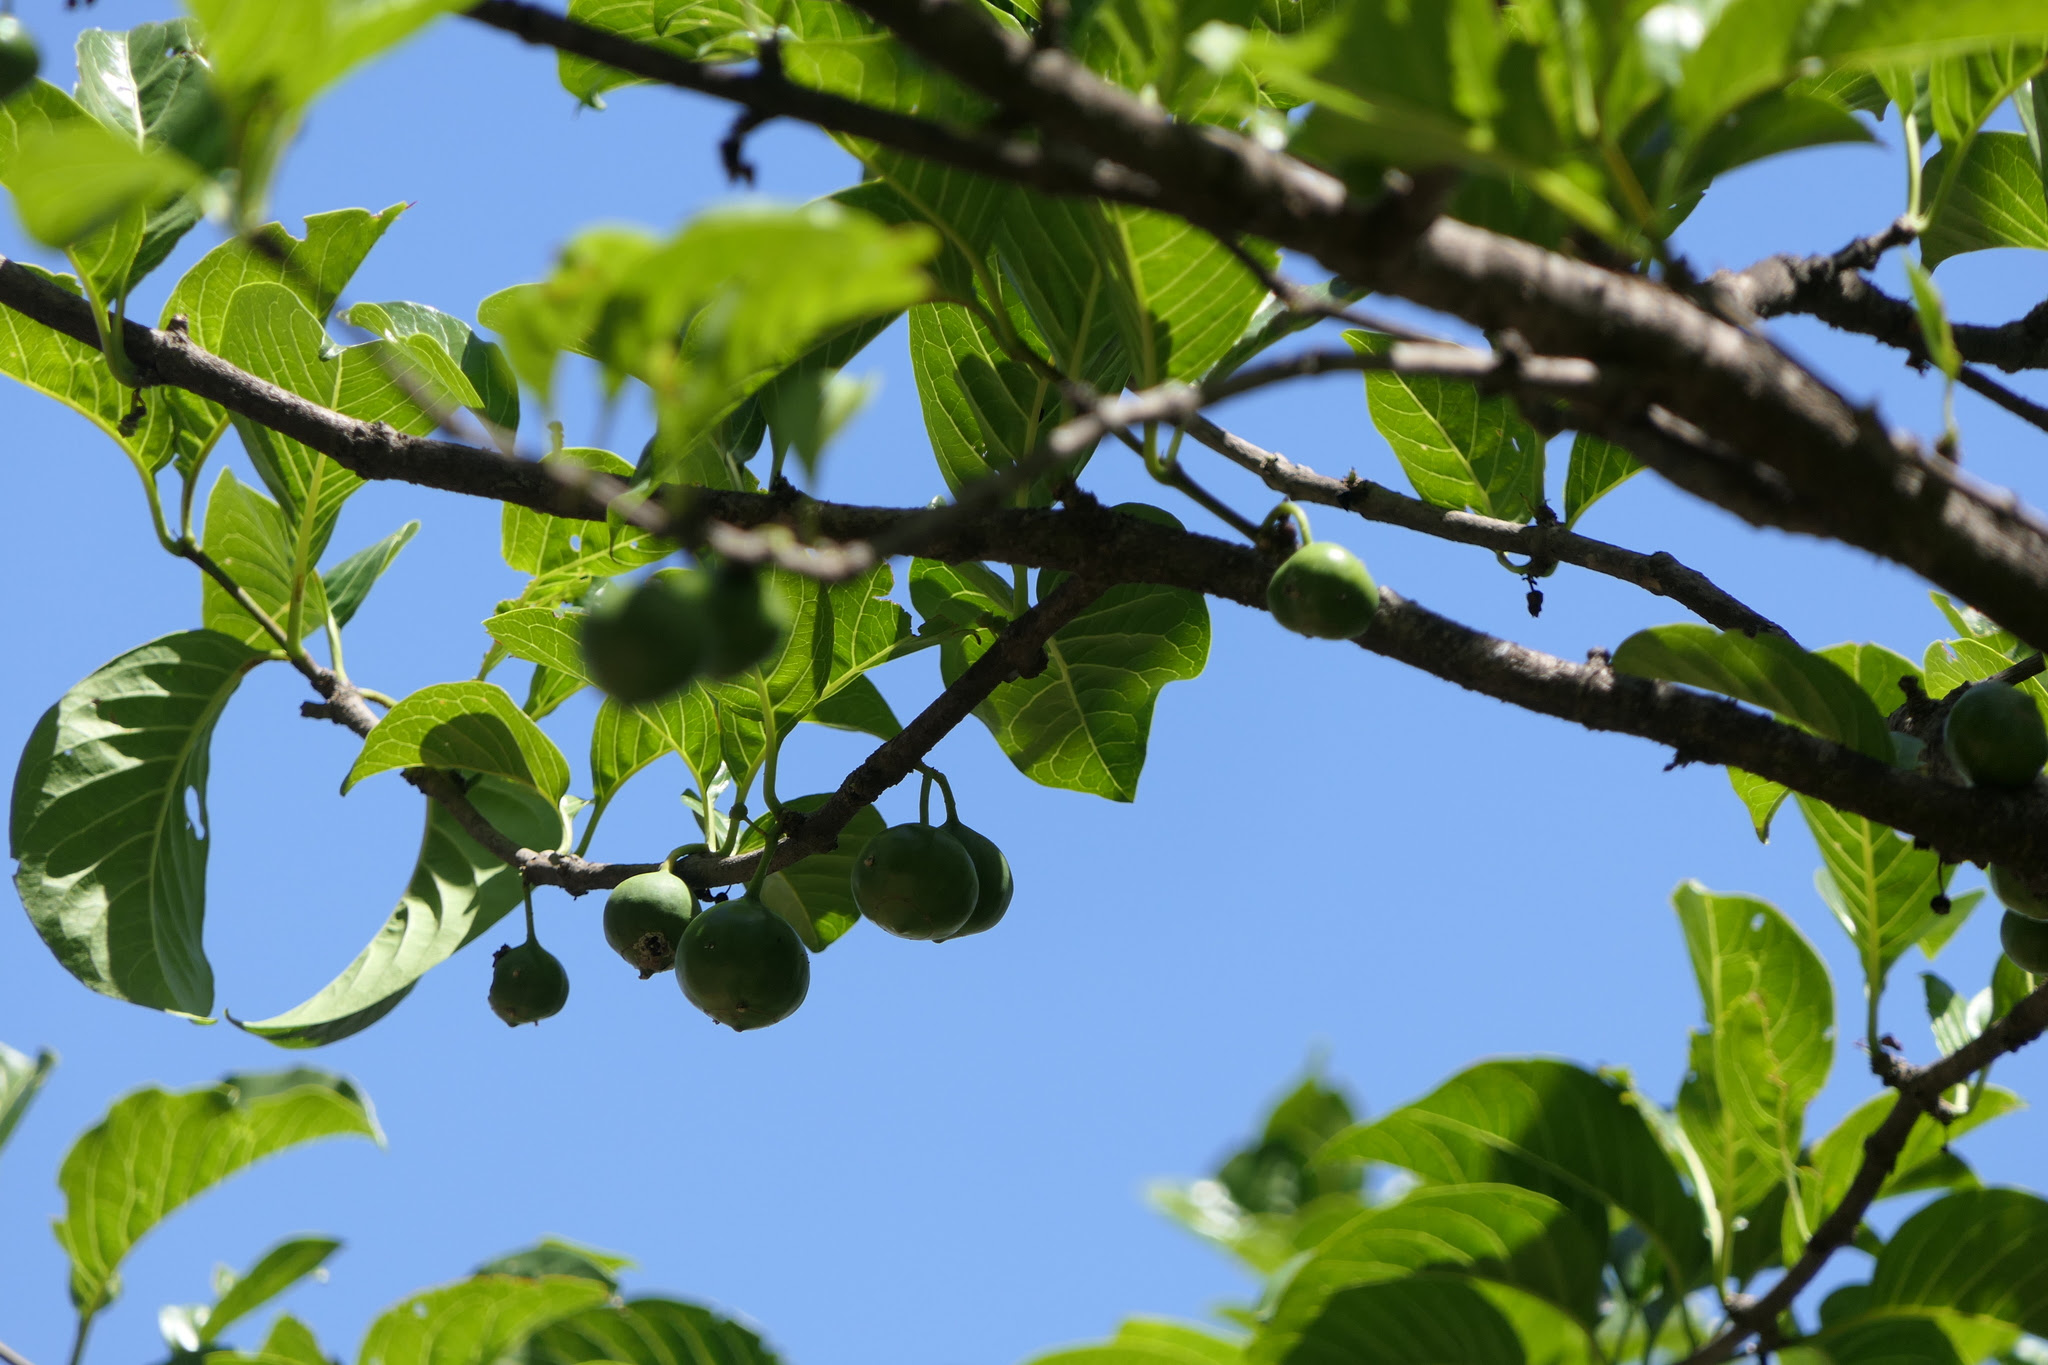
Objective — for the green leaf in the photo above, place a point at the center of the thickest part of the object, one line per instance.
(1974, 1252)
(1935, 333)
(860, 706)
(1547, 1126)
(1773, 123)
(1184, 299)
(1994, 199)
(816, 895)
(963, 208)
(1956, 1021)
(553, 1256)
(277, 1270)
(625, 739)
(1877, 671)
(1425, 1320)
(457, 892)
(314, 269)
(1877, 884)
(539, 636)
(1764, 670)
(1767, 1048)
(476, 1320)
(155, 1150)
(565, 556)
(646, 1332)
(1944, 927)
(1141, 1341)
(283, 59)
(454, 353)
(77, 176)
(983, 410)
(1761, 797)
(1970, 622)
(348, 583)
(698, 30)
(1053, 254)
(1966, 90)
(2010, 983)
(109, 819)
(1082, 724)
(1459, 449)
(21, 1079)
(247, 536)
(1950, 664)
(1596, 469)
(1274, 322)
(469, 726)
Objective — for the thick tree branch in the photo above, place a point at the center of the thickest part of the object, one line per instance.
(1920, 1090)
(1658, 573)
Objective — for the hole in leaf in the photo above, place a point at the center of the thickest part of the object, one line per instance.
(195, 814)
(1756, 922)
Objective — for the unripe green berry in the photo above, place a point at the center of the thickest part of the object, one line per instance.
(1322, 590)
(994, 886)
(743, 965)
(528, 984)
(644, 920)
(916, 881)
(2025, 941)
(1995, 737)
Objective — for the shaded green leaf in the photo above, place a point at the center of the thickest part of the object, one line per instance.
(109, 819)
(247, 536)
(457, 892)
(1975, 1252)
(1761, 797)
(21, 1079)
(1459, 449)
(275, 1271)
(1944, 928)
(1764, 670)
(477, 1320)
(1596, 469)
(450, 345)
(155, 1150)
(468, 726)
(1994, 199)
(816, 895)
(647, 1332)
(1877, 884)
(348, 583)
(553, 1256)
(858, 705)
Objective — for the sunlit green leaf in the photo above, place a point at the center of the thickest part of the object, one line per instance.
(21, 1079)
(468, 726)
(1764, 670)
(348, 583)
(1459, 449)
(1596, 469)
(476, 1321)
(1994, 199)
(275, 1271)
(1877, 884)
(247, 536)
(648, 1332)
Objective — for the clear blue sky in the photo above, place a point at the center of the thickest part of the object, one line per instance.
(940, 1159)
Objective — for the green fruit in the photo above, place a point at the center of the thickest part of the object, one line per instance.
(1995, 737)
(1323, 591)
(2010, 889)
(916, 881)
(527, 984)
(742, 965)
(2025, 942)
(746, 620)
(19, 60)
(644, 920)
(644, 642)
(991, 875)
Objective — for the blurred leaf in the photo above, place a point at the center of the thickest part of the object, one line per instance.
(109, 819)
(1597, 468)
(553, 1256)
(1459, 449)
(2010, 984)
(348, 583)
(1935, 333)
(647, 1332)
(21, 1079)
(73, 177)
(275, 1271)
(1956, 1021)
(476, 1321)
(1761, 797)
(470, 726)
(450, 345)
(1974, 1252)
(155, 1150)
(1968, 621)
(246, 535)
(1994, 200)
(1764, 670)
(457, 892)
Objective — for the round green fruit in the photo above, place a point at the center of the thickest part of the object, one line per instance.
(19, 60)
(916, 881)
(527, 984)
(1995, 737)
(2025, 942)
(1323, 591)
(646, 641)
(746, 619)
(742, 965)
(991, 875)
(2013, 892)
(644, 920)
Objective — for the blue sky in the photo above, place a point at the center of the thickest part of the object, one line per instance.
(941, 1158)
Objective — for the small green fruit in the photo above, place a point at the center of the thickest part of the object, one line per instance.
(2025, 942)
(2013, 892)
(1995, 737)
(19, 60)
(746, 620)
(644, 642)
(916, 881)
(527, 984)
(1323, 591)
(644, 920)
(992, 877)
(742, 965)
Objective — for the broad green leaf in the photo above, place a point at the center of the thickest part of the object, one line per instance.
(699, 30)
(1975, 1252)
(1994, 199)
(1955, 1019)
(1944, 928)
(1966, 90)
(816, 895)
(348, 583)
(966, 595)
(1773, 123)
(1914, 31)
(2010, 984)
(1596, 469)
(857, 705)
(963, 208)
(476, 1321)
(646, 1332)
(468, 726)
(1142, 1341)
(247, 536)
(1428, 1320)
(794, 677)
(457, 892)
(1935, 333)
(1053, 255)
(315, 268)
(39, 121)
(868, 630)
(553, 1256)
(1274, 322)
(1877, 884)
(292, 1342)
(547, 689)
(1970, 622)
(155, 1150)
(1547, 1126)
(539, 636)
(1486, 1232)
(270, 332)
(983, 409)
(21, 1078)
(1083, 723)
(1887, 1338)
(109, 819)
(1184, 299)
(1768, 1044)
(1764, 670)
(565, 557)
(625, 739)
(277, 1270)
(1950, 664)
(1877, 671)
(1459, 449)
(1761, 797)
(450, 343)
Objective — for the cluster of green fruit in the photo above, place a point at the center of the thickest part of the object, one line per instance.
(643, 641)
(1995, 738)
(19, 60)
